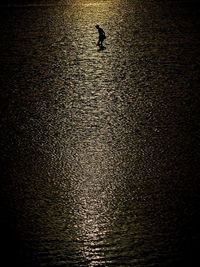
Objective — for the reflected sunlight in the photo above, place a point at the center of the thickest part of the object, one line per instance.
(93, 186)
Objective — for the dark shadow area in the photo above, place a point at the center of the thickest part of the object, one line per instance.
(101, 48)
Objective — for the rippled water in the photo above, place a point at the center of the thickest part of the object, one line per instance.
(99, 147)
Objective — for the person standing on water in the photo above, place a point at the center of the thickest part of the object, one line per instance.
(102, 36)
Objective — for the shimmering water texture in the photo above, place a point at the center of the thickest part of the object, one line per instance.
(100, 145)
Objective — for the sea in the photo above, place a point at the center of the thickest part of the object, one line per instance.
(100, 145)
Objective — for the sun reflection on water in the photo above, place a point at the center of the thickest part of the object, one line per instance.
(93, 185)
(93, 193)
(94, 140)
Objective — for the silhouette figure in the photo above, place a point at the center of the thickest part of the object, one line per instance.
(102, 36)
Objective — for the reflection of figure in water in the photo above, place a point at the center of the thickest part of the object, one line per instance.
(102, 36)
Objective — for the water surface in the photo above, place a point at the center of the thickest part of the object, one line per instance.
(99, 147)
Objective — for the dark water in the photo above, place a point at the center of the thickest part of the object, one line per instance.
(100, 149)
